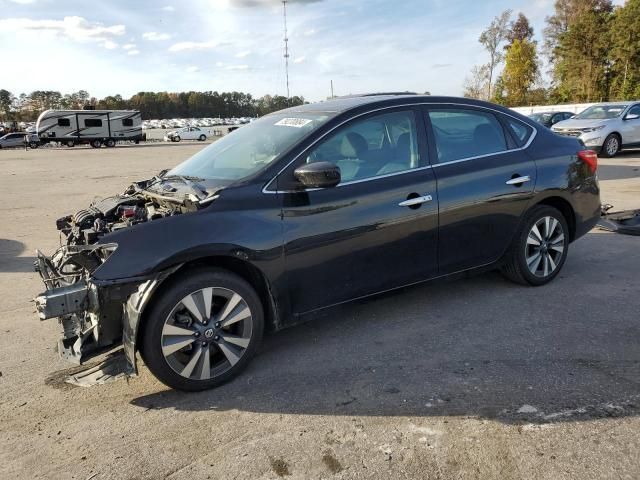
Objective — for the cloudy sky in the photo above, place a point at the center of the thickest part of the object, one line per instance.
(126, 46)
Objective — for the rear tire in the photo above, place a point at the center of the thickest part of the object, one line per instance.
(539, 248)
(202, 138)
(212, 353)
(33, 145)
(96, 143)
(611, 146)
(176, 139)
(110, 143)
(70, 143)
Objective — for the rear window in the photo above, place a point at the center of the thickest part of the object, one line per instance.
(92, 122)
(521, 132)
(64, 122)
(466, 133)
(127, 122)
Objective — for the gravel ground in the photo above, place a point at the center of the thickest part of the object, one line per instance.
(473, 379)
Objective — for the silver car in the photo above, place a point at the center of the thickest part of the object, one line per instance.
(606, 128)
(17, 139)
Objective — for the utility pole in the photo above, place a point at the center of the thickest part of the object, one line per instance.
(286, 45)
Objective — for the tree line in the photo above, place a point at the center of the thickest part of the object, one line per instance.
(590, 51)
(27, 107)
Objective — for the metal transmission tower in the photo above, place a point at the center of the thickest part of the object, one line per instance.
(286, 44)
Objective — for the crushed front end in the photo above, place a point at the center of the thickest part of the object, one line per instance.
(94, 314)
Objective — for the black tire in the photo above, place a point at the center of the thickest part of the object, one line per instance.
(611, 146)
(110, 143)
(96, 143)
(176, 138)
(202, 138)
(515, 266)
(70, 143)
(165, 302)
(33, 145)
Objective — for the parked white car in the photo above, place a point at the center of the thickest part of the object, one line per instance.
(186, 133)
(606, 128)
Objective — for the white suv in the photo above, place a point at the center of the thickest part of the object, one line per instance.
(606, 127)
(186, 133)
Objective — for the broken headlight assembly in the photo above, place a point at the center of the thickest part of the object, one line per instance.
(75, 300)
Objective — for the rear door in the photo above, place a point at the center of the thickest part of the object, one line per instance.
(485, 182)
(377, 229)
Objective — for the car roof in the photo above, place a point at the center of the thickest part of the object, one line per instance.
(343, 104)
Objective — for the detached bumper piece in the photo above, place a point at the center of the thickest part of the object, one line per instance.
(626, 222)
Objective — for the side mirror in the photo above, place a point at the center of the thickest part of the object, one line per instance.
(632, 116)
(318, 175)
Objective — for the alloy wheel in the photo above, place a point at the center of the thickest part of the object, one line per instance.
(207, 333)
(545, 246)
(612, 146)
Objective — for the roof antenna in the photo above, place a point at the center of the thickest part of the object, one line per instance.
(286, 45)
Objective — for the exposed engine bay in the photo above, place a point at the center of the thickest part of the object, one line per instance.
(91, 317)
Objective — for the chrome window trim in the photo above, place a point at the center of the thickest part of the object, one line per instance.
(408, 105)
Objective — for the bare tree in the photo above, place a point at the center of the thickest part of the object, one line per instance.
(492, 39)
(475, 85)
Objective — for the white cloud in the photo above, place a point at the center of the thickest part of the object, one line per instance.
(129, 46)
(300, 59)
(237, 67)
(169, 8)
(23, 2)
(155, 36)
(181, 46)
(193, 69)
(310, 32)
(219, 64)
(133, 52)
(246, 53)
(77, 29)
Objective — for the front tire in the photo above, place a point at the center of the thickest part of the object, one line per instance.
(70, 143)
(539, 248)
(611, 146)
(96, 143)
(176, 138)
(202, 330)
(202, 138)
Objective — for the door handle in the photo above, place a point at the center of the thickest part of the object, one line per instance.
(415, 201)
(519, 180)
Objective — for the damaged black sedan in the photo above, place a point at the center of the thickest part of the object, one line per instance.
(309, 208)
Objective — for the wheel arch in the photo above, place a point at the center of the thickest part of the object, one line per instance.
(244, 269)
(564, 206)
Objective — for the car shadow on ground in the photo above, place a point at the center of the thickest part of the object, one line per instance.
(476, 347)
(10, 261)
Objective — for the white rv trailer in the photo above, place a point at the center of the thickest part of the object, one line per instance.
(95, 127)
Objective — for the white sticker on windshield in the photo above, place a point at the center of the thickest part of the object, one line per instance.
(293, 122)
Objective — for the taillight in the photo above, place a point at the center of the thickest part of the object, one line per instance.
(590, 158)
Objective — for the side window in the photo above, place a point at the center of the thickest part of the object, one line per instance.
(92, 122)
(127, 122)
(377, 145)
(64, 122)
(520, 131)
(634, 110)
(463, 133)
(567, 116)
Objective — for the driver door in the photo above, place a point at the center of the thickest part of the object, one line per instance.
(371, 232)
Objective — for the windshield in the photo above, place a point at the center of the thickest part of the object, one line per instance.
(601, 112)
(250, 148)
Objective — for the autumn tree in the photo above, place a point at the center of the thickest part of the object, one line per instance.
(520, 71)
(520, 29)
